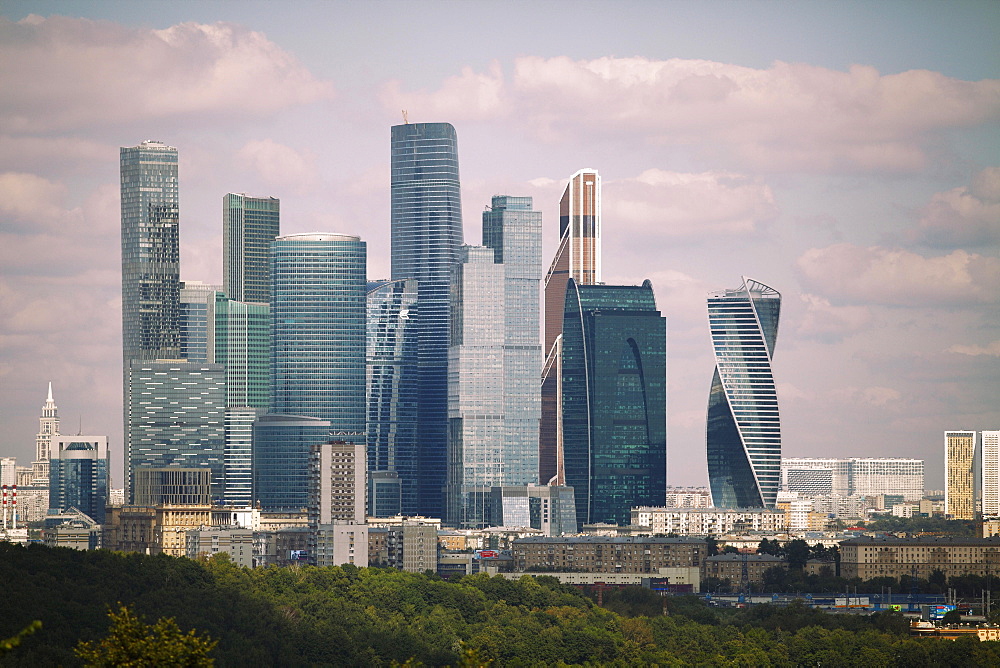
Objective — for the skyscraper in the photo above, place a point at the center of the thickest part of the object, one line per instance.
(282, 446)
(426, 222)
(239, 339)
(80, 475)
(960, 475)
(989, 442)
(614, 400)
(193, 321)
(48, 426)
(744, 429)
(249, 225)
(578, 256)
(392, 397)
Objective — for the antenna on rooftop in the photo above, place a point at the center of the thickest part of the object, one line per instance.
(405, 121)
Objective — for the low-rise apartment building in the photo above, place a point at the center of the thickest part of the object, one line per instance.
(730, 567)
(867, 557)
(708, 521)
(607, 554)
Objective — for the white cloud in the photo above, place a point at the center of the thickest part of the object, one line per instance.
(281, 165)
(964, 216)
(991, 349)
(827, 323)
(845, 273)
(28, 201)
(867, 396)
(788, 117)
(71, 73)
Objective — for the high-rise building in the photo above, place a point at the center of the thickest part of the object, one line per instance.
(960, 475)
(989, 443)
(194, 324)
(337, 483)
(318, 328)
(249, 225)
(864, 476)
(578, 256)
(614, 399)
(176, 412)
(79, 475)
(48, 426)
(239, 339)
(744, 429)
(392, 397)
(282, 445)
(426, 220)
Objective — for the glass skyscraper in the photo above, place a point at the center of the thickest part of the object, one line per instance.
(318, 328)
(239, 339)
(614, 400)
(392, 397)
(426, 230)
(249, 225)
(281, 449)
(79, 475)
(744, 428)
(194, 298)
(578, 256)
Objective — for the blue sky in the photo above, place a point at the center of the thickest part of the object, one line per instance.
(844, 153)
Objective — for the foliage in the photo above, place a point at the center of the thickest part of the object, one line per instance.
(913, 525)
(132, 643)
(11, 643)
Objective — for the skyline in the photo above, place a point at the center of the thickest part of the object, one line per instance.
(843, 154)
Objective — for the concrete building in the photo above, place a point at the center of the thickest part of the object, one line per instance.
(688, 497)
(868, 557)
(708, 521)
(79, 474)
(847, 476)
(410, 543)
(730, 567)
(205, 542)
(153, 529)
(337, 503)
(607, 554)
(989, 442)
(173, 487)
(960, 475)
(72, 529)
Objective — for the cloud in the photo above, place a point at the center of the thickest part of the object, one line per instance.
(659, 204)
(964, 216)
(867, 396)
(30, 202)
(845, 273)
(790, 116)
(991, 349)
(829, 323)
(281, 165)
(71, 73)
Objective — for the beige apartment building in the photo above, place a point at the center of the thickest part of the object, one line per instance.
(959, 475)
(868, 558)
(606, 554)
(153, 529)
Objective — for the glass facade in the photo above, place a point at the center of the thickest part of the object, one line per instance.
(249, 225)
(614, 401)
(79, 475)
(392, 396)
(578, 257)
(176, 413)
(281, 460)
(318, 328)
(239, 339)
(744, 428)
(426, 231)
(194, 305)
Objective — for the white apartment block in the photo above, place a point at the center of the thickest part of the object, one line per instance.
(688, 497)
(989, 442)
(708, 521)
(862, 476)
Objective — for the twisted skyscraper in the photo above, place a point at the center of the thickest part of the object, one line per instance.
(744, 429)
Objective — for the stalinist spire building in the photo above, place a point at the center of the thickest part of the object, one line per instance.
(48, 426)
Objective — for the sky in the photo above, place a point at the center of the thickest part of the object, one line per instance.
(846, 154)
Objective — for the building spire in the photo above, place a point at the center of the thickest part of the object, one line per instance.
(50, 400)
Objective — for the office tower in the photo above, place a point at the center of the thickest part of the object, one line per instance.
(392, 397)
(249, 225)
(549, 508)
(194, 304)
(337, 483)
(990, 447)
(578, 256)
(174, 486)
(959, 475)
(150, 253)
(176, 412)
(239, 339)
(281, 466)
(237, 455)
(79, 475)
(48, 426)
(744, 430)
(318, 328)
(614, 399)
(426, 221)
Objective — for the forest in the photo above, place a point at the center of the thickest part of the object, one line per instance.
(338, 616)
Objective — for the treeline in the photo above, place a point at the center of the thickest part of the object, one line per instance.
(349, 616)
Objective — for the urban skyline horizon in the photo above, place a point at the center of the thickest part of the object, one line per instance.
(878, 223)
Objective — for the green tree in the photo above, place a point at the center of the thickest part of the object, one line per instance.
(134, 644)
(11, 643)
(797, 553)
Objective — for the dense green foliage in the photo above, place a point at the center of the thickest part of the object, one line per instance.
(349, 616)
(130, 642)
(921, 525)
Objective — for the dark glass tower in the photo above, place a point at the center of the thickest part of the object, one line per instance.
(249, 225)
(426, 220)
(78, 475)
(614, 400)
(744, 430)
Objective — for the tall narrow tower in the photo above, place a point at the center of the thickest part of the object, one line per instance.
(744, 429)
(578, 257)
(960, 474)
(249, 225)
(426, 222)
(48, 426)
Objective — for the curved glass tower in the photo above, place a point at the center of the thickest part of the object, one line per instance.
(744, 430)
(426, 227)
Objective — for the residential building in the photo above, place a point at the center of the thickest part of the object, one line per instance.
(708, 521)
(391, 384)
(426, 229)
(960, 475)
(630, 554)
(340, 543)
(744, 429)
(577, 257)
(730, 567)
(79, 475)
(688, 497)
(613, 389)
(281, 453)
(194, 323)
(865, 476)
(409, 543)
(72, 529)
(8, 471)
(338, 481)
(160, 529)
(48, 426)
(249, 225)
(205, 542)
(318, 328)
(176, 412)
(868, 557)
(989, 442)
